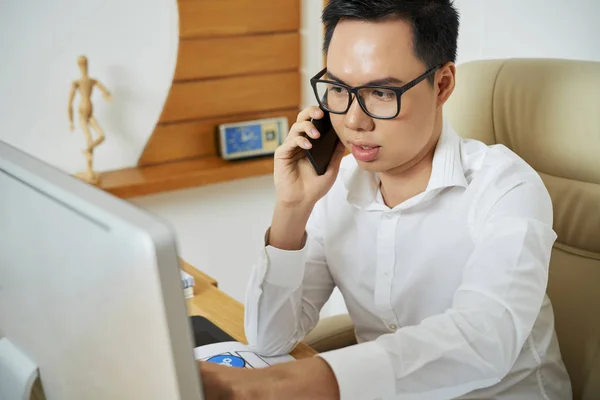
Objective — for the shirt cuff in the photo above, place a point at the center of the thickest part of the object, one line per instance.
(285, 268)
(363, 371)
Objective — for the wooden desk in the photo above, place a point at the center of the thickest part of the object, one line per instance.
(197, 274)
(223, 310)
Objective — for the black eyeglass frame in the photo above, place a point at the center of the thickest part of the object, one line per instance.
(354, 90)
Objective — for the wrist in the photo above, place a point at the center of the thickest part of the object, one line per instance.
(309, 378)
(288, 226)
(295, 206)
(328, 387)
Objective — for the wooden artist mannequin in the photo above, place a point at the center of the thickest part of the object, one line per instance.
(85, 86)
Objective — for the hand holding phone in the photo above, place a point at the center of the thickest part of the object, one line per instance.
(322, 148)
(298, 188)
(296, 182)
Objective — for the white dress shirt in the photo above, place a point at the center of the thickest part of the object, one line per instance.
(446, 290)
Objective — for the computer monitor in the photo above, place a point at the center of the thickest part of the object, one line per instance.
(90, 289)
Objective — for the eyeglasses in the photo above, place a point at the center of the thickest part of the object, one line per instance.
(381, 102)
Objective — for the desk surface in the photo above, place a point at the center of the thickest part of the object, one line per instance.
(223, 310)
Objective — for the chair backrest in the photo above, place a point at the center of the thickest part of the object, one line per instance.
(548, 112)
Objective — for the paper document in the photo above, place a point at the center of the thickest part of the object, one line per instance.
(234, 354)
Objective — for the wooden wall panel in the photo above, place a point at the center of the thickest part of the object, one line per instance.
(238, 60)
(230, 96)
(202, 18)
(183, 140)
(211, 58)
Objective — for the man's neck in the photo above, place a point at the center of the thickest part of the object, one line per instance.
(405, 182)
(396, 189)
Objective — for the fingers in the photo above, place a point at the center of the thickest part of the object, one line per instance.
(292, 146)
(303, 128)
(310, 112)
(296, 139)
(302, 142)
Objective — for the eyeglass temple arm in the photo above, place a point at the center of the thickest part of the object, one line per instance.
(420, 79)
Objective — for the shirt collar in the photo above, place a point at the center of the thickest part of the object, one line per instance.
(446, 171)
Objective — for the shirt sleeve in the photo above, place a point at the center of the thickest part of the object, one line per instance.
(475, 343)
(286, 292)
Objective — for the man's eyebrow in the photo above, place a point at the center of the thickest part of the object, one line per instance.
(387, 81)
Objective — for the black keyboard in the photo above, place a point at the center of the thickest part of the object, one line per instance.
(205, 332)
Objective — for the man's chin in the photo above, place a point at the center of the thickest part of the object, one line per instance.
(375, 166)
(379, 166)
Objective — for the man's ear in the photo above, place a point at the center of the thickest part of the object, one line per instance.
(444, 82)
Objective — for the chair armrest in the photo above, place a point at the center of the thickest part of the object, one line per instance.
(332, 333)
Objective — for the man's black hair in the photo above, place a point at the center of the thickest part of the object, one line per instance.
(434, 23)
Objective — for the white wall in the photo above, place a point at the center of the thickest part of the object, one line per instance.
(311, 33)
(132, 48)
(529, 28)
(220, 227)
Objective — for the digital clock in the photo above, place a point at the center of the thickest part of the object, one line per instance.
(251, 138)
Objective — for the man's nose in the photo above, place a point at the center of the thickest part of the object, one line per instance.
(356, 119)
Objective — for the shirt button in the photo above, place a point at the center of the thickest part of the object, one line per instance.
(393, 327)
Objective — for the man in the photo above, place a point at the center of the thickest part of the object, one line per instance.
(439, 245)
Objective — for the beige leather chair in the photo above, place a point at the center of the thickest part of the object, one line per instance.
(548, 112)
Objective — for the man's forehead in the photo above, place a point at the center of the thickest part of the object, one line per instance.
(360, 52)
(373, 36)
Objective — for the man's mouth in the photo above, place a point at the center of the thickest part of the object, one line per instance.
(365, 152)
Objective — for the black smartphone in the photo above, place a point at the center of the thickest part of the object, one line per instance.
(323, 147)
